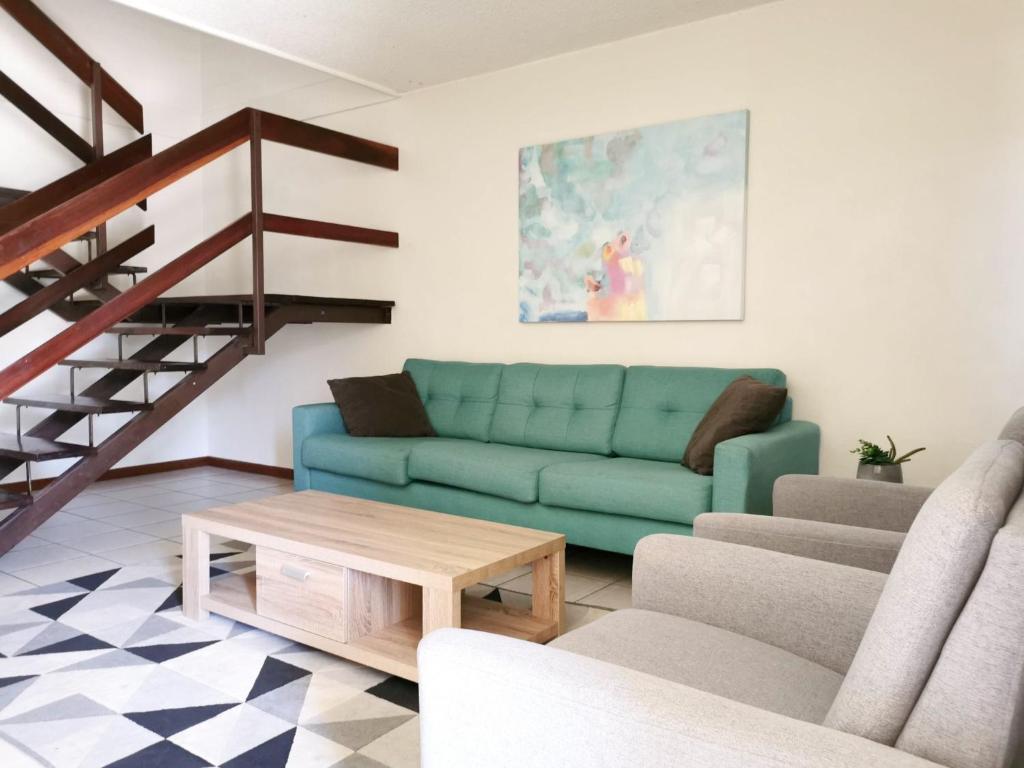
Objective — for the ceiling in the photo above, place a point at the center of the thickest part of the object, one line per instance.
(401, 45)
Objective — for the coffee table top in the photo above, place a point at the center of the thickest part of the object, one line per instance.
(413, 545)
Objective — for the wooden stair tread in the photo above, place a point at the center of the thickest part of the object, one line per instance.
(179, 330)
(26, 448)
(131, 364)
(274, 299)
(10, 500)
(56, 274)
(80, 404)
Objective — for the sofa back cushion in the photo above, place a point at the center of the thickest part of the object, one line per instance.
(559, 407)
(934, 575)
(661, 407)
(459, 397)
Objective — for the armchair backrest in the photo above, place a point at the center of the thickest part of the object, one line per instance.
(932, 599)
(1014, 428)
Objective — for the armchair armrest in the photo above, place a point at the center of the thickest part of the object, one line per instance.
(309, 420)
(556, 709)
(867, 548)
(814, 609)
(746, 467)
(865, 503)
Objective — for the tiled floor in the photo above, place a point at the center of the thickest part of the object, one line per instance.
(137, 520)
(304, 707)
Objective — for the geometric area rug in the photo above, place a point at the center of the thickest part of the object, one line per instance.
(104, 671)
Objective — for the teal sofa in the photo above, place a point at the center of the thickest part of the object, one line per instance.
(591, 451)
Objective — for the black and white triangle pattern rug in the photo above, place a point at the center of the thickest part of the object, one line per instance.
(104, 671)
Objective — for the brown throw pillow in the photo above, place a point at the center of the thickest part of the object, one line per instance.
(381, 406)
(744, 407)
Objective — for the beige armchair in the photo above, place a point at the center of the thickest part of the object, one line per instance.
(852, 522)
(741, 657)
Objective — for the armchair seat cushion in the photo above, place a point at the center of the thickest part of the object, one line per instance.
(509, 471)
(657, 490)
(709, 659)
(384, 459)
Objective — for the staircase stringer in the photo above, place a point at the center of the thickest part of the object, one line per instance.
(128, 437)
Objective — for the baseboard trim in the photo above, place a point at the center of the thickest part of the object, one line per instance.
(167, 466)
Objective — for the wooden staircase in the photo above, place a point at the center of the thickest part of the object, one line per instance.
(153, 333)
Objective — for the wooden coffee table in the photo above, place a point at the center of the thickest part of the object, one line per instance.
(366, 580)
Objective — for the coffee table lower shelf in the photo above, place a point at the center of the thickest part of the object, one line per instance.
(391, 649)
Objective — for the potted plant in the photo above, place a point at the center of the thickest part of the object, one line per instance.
(878, 464)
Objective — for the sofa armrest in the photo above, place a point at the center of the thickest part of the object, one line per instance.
(867, 548)
(309, 420)
(814, 609)
(489, 700)
(746, 467)
(847, 501)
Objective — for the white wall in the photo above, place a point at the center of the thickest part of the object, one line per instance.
(884, 228)
(884, 232)
(160, 64)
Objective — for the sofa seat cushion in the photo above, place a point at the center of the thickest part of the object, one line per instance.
(384, 459)
(710, 659)
(657, 490)
(509, 471)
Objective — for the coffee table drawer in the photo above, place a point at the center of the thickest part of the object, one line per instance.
(303, 593)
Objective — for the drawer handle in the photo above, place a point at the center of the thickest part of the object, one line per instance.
(294, 573)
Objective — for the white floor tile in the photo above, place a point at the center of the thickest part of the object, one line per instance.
(615, 596)
(86, 499)
(36, 556)
(29, 543)
(204, 486)
(61, 518)
(135, 492)
(194, 506)
(11, 584)
(70, 532)
(154, 550)
(253, 495)
(163, 530)
(575, 586)
(110, 540)
(108, 508)
(67, 569)
(161, 498)
(140, 517)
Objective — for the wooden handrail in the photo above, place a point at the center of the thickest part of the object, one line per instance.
(114, 311)
(289, 225)
(27, 208)
(45, 119)
(74, 57)
(80, 277)
(24, 244)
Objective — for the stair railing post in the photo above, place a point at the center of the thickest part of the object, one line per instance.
(97, 143)
(258, 342)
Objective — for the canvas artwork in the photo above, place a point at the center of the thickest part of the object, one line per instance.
(644, 224)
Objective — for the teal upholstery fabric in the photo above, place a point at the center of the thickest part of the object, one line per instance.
(385, 459)
(614, 533)
(307, 421)
(747, 467)
(527, 410)
(661, 407)
(561, 407)
(509, 471)
(658, 490)
(459, 397)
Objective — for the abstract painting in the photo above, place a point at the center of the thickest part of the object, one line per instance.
(643, 224)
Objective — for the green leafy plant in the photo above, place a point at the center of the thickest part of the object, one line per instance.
(870, 453)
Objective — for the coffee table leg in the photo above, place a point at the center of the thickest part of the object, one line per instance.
(195, 571)
(441, 608)
(549, 589)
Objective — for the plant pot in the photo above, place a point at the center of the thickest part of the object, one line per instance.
(887, 473)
